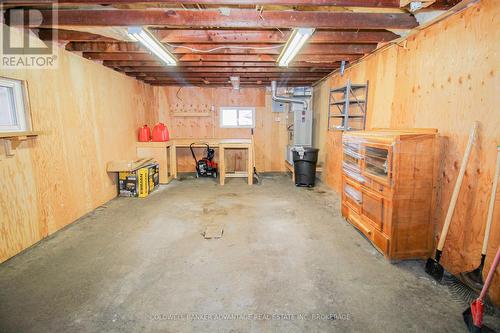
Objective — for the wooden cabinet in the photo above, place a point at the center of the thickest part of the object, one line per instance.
(388, 189)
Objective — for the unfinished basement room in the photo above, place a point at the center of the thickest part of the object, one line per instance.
(249, 166)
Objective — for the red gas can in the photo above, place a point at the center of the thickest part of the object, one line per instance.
(160, 133)
(144, 134)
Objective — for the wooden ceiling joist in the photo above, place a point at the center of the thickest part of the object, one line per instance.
(234, 49)
(72, 35)
(304, 75)
(264, 49)
(186, 57)
(224, 82)
(224, 70)
(227, 76)
(237, 18)
(300, 58)
(269, 36)
(111, 63)
(229, 37)
(342, 3)
(227, 83)
(188, 60)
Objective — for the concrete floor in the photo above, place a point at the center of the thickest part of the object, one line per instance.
(287, 262)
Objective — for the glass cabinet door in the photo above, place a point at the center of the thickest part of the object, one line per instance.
(351, 160)
(352, 196)
(377, 162)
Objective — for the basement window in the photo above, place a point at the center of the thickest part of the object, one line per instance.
(237, 117)
(14, 116)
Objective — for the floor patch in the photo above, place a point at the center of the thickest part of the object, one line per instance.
(213, 231)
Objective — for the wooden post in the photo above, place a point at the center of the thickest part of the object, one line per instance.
(173, 160)
(250, 163)
(222, 164)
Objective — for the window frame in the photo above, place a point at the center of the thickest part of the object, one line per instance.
(238, 109)
(21, 106)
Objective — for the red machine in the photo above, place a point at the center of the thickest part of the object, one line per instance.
(205, 167)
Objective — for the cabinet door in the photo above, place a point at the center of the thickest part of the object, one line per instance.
(377, 162)
(352, 160)
(372, 208)
(352, 196)
(352, 155)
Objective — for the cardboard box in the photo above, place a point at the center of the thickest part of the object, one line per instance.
(127, 165)
(140, 182)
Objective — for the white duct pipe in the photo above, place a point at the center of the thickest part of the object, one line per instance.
(285, 99)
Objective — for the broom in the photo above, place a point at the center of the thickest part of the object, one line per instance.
(256, 176)
(468, 287)
(473, 316)
(433, 267)
(474, 278)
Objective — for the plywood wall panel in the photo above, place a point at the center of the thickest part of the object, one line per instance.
(88, 115)
(18, 203)
(444, 77)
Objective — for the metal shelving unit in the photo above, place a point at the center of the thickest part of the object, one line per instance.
(347, 107)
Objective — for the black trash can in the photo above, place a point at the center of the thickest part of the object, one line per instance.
(304, 164)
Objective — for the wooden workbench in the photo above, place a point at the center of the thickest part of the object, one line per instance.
(163, 153)
(166, 155)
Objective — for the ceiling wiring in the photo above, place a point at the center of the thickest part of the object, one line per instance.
(282, 33)
(234, 47)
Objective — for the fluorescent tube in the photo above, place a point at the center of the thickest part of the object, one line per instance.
(152, 44)
(293, 45)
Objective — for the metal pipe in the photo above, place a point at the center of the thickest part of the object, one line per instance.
(286, 99)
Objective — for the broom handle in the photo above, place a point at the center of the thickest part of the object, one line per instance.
(456, 190)
(493, 268)
(492, 204)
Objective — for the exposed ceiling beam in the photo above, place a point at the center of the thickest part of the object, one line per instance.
(219, 57)
(269, 36)
(343, 3)
(223, 70)
(325, 58)
(237, 18)
(227, 85)
(226, 81)
(72, 35)
(130, 47)
(224, 76)
(112, 63)
(298, 75)
(209, 80)
(351, 48)
(186, 57)
(299, 58)
(258, 48)
(230, 36)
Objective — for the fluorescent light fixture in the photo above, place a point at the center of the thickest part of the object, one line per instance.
(293, 45)
(149, 41)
